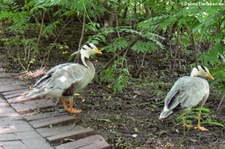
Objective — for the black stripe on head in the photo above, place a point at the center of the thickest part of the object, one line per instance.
(203, 68)
(89, 45)
(197, 68)
(83, 48)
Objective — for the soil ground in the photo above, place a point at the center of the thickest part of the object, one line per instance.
(130, 119)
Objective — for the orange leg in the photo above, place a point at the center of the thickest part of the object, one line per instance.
(64, 103)
(71, 109)
(199, 127)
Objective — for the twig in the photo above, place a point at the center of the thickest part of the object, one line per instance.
(102, 86)
(221, 101)
(199, 43)
(144, 95)
(82, 31)
(48, 53)
(123, 96)
(110, 61)
(41, 28)
(64, 26)
(116, 55)
(124, 55)
(195, 48)
(140, 67)
(20, 62)
(117, 24)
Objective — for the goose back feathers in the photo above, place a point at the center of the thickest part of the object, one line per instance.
(66, 79)
(187, 91)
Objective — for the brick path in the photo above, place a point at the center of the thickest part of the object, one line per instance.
(22, 128)
(16, 132)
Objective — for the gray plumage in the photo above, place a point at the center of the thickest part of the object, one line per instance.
(63, 79)
(66, 79)
(187, 92)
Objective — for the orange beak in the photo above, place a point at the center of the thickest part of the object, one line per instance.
(209, 76)
(98, 52)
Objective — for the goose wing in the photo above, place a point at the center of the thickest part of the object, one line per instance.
(185, 93)
(58, 79)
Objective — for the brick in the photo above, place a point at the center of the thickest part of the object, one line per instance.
(11, 82)
(82, 142)
(19, 146)
(3, 104)
(51, 121)
(29, 106)
(44, 115)
(13, 123)
(76, 134)
(47, 132)
(27, 135)
(9, 114)
(5, 75)
(15, 92)
(2, 98)
(6, 109)
(8, 143)
(37, 143)
(8, 137)
(97, 145)
(12, 117)
(9, 88)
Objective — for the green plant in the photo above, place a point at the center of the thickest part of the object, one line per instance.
(119, 77)
(133, 40)
(26, 57)
(190, 115)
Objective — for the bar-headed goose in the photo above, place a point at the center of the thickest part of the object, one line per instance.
(187, 92)
(65, 80)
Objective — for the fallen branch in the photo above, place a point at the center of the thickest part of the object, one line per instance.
(221, 101)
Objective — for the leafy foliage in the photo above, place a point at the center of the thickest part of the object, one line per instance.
(131, 26)
(116, 74)
(188, 116)
(144, 47)
(178, 34)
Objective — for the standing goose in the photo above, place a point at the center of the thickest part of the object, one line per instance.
(65, 80)
(187, 92)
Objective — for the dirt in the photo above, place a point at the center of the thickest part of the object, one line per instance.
(133, 122)
(130, 119)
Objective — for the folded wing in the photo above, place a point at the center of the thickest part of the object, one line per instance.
(58, 79)
(187, 92)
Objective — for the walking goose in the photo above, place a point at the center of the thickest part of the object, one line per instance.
(187, 92)
(65, 80)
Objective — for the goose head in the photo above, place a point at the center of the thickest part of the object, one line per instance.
(87, 50)
(201, 71)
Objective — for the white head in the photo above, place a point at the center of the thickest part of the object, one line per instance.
(201, 71)
(88, 49)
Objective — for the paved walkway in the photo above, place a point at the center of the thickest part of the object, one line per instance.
(15, 131)
(22, 128)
